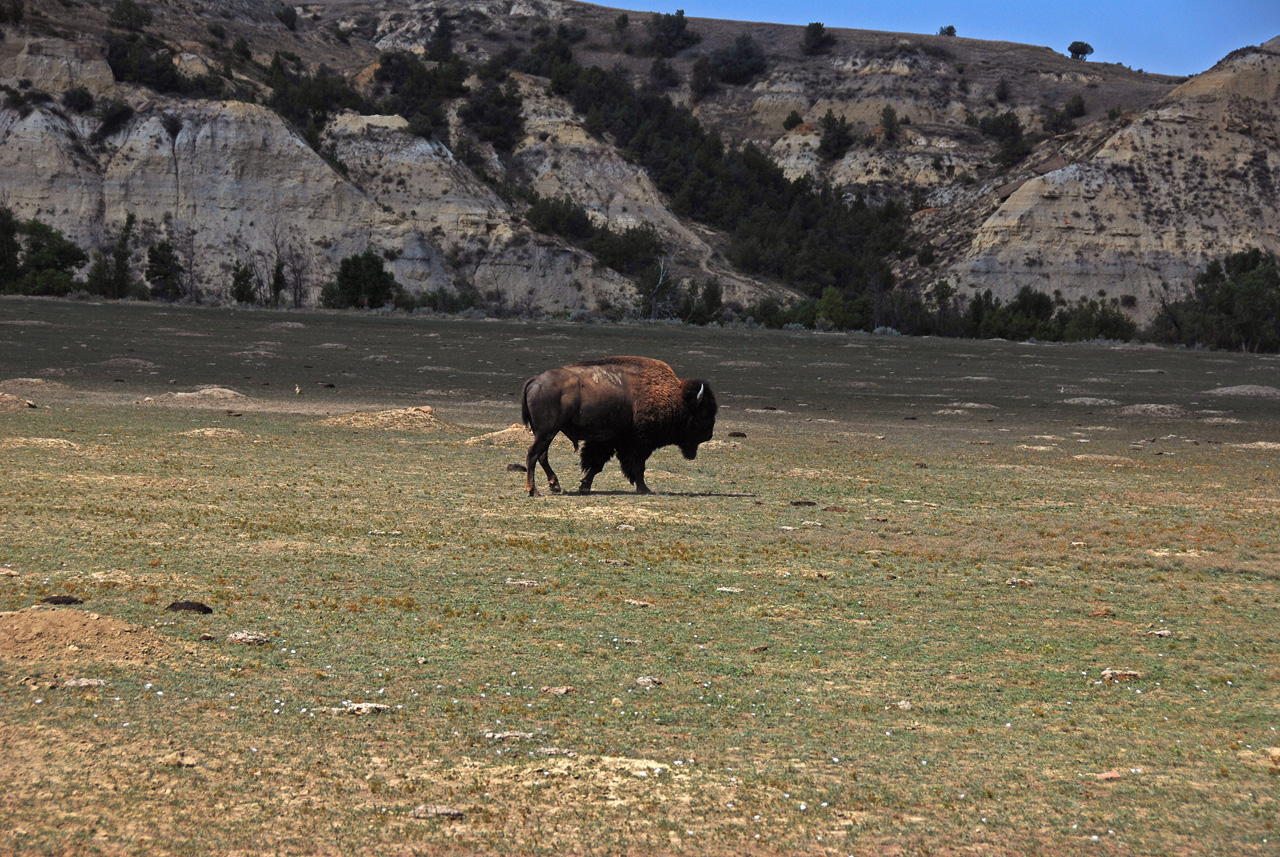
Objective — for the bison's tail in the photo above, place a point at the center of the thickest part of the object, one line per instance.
(524, 405)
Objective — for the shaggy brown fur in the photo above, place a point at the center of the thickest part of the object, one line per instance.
(624, 406)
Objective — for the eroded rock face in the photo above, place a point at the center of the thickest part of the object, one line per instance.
(56, 65)
(1181, 184)
(1122, 207)
(238, 183)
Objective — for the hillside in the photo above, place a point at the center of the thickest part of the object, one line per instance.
(1128, 197)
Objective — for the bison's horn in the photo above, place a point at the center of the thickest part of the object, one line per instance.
(702, 388)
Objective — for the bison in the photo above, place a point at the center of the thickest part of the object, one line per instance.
(624, 406)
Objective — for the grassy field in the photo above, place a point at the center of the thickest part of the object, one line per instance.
(877, 623)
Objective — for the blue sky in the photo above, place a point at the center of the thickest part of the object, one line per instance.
(1166, 36)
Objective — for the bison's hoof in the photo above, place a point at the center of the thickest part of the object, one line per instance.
(533, 492)
(555, 488)
(644, 489)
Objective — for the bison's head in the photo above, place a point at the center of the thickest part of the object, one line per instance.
(700, 410)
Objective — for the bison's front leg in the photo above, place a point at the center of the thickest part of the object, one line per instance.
(594, 457)
(632, 462)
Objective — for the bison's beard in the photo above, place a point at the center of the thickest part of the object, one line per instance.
(689, 452)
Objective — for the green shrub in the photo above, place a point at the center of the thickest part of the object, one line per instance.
(362, 281)
(739, 63)
(129, 15)
(670, 34)
(1234, 303)
(816, 40)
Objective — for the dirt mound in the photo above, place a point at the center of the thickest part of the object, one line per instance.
(214, 433)
(1169, 411)
(14, 403)
(19, 386)
(421, 418)
(129, 363)
(75, 636)
(218, 393)
(513, 435)
(41, 443)
(1256, 390)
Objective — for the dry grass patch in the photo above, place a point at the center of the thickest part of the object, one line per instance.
(420, 418)
(516, 434)
(71, 637)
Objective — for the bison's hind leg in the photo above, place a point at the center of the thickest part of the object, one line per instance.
(538, 456)
(594, 457)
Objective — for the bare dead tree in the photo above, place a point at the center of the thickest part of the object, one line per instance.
(183, 237)
(297, 272)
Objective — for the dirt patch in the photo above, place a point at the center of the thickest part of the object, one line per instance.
(129, 363)
(1167, 411)
(54, 443)
(214, 433)
(203, 396)
(1088, 400)
(27, 386)
(420, 418)
(9, 402)
(76, 636)
(513, 435)
(1254, 390)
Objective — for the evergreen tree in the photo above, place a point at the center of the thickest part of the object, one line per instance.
(164, 271)
(9, 248)
(278, 282)
(816, 40)
(129, 15)
(362, 282)
(121, 284)
(244, 283)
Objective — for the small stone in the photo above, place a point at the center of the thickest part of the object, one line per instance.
(648, 681)
(249, 638)
(181, 759)
(1110, 674)
(557, 751)
(637, 603)
(1020, 581)
(427, 810)
(508, 736)
(85, 682)
(361, 708)
(559, 690)
(190, 606)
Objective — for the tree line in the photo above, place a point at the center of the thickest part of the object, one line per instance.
(1233, 304)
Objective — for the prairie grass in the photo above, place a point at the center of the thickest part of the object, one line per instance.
(877, 623)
